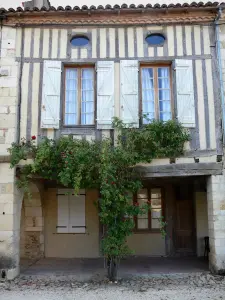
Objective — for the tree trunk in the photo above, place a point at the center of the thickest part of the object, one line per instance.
(112, 266)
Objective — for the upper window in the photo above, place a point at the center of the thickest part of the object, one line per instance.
(156, 93)
(79, 41)
(155, 39)
(151, 219)
(79, 96)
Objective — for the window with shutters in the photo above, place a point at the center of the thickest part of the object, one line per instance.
(79, 104)
(156, 93)
(150, 220)
(71, 212)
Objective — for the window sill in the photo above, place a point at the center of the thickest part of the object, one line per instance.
(83, 129)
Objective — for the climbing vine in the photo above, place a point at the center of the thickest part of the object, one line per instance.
(103, 165)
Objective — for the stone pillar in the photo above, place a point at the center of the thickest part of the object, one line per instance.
(10, 212)
(216, 222)
(10, 197)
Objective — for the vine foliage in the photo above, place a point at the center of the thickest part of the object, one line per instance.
(103, 165)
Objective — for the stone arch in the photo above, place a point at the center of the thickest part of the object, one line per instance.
(32, 225)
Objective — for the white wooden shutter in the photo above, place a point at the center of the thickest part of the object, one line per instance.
(63, 214)
(77, 213)
(51, 94)
(185, 92)
(129, 112)
(105, 94)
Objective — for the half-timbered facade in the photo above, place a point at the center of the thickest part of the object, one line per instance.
(69, 72)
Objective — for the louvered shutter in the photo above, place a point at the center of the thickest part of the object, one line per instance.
(51, 94)
(129, 111)
(185, 92)
(63, 214)
(77, 213)
(105, 94)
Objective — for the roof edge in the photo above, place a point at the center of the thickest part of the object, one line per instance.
(116, 7)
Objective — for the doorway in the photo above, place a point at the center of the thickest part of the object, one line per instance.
(184, 221)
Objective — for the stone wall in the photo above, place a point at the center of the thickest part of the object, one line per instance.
(8, 89)
(216, 222)
(10, 210)
(201, 221)
(32, 224)
(10, 197)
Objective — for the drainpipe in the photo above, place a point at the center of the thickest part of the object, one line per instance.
(218, 52)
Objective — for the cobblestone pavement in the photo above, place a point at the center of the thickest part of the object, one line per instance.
(177, 287)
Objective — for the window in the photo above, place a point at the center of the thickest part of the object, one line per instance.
(155, 39)
(79, 96)
(156, 93)
(71, 212)
(79, 41)
(150, 220)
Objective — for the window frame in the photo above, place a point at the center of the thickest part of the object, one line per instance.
(155, 67)
(79, 67)
(149, 229)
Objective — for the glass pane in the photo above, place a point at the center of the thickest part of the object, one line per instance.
(143, 216)
(148, 95)
(70, 107)
(156, 198)
(163, 72)
(155, 39)
(156, 213)
(88, 96)
(163, 83)
(71, 73)
(165, 116)
(142, 194)
(87, 119)
(148, 107)
(87, 107)
(164, 94)
(87, 101)
(71, 97)
(147, 78)
(155, 193)
(155, 224)
(87, 73)
(164, 106)
(147, 72)
(142, 223)
(70, 119)
(79, 41)
(149, 116)
(156, 203)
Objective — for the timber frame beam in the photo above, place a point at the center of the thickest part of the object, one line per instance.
(180, 170)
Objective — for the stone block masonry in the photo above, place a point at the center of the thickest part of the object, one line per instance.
(9, 72)
(216, 219)
(10, 197)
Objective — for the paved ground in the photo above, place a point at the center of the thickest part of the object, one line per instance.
(85, 269)
(186, 286)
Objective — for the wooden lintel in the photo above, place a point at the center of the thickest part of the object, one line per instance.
(179, 170)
